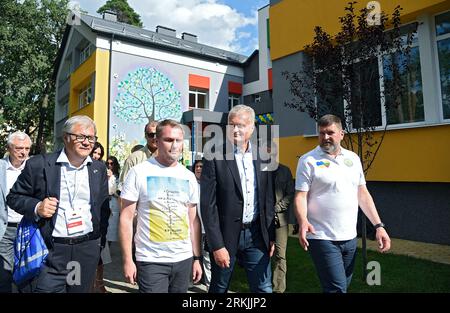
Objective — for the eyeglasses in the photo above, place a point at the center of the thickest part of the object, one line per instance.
(109, 163)
(82, 138)
(150, 135)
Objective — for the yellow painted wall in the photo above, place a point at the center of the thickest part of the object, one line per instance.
(78, 79)
(97, 63)
(101, 95)
(406, 155)
(292, 22)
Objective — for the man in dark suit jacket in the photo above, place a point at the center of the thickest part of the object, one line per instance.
(238, 208)
(67, 193)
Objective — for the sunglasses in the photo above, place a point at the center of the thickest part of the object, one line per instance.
(150, 135)
(109, 163)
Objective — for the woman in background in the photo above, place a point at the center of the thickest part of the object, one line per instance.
(113, 179)
(98, 151)
(99, 285)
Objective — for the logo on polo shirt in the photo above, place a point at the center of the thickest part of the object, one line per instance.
(323, 164)
(348, 162)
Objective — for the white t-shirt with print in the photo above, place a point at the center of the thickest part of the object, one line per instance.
(162, 195)
(332, 185)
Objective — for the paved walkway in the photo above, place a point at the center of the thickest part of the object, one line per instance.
(427, 251)
(115, 282)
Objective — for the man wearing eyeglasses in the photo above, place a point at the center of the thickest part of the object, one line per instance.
(67, 193)
(142, 154)
(11, 166)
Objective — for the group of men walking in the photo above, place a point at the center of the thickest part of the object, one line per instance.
(243, 206)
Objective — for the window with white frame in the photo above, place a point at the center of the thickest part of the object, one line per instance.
(85, 53)
(411, 108)
(442, 24)
(85, 95)
(233, 100)
(198, 98)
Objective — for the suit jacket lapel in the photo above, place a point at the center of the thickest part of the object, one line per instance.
(53, 178)
(92, 182)
(257, 165)
(52, 173)
(232, 165)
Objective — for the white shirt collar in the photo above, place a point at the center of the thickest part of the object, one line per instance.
(323, 153)
(62, 158)
(9, 165)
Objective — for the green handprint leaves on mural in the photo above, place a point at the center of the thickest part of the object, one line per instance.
(146, 95)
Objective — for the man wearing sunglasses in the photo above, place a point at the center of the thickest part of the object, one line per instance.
(67, 193)
(142, 154)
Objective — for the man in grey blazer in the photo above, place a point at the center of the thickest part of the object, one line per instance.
(11, 166)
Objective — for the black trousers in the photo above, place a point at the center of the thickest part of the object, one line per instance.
(68, 268)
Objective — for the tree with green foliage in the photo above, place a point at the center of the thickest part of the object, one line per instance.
(31, 32)
(125, 13)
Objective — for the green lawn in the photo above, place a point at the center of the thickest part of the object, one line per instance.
(398, 274)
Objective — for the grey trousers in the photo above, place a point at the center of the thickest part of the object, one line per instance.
(164, 277)
(7, 259)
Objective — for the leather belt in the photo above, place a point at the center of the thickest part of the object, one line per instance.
(74, 240)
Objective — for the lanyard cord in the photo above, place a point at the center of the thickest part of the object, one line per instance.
(76, 188)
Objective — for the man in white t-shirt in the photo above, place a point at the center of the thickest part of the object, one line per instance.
(330, 185)
(165, 195)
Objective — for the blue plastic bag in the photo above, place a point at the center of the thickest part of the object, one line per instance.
(30, 252)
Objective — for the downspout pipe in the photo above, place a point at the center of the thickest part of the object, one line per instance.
(109, 95)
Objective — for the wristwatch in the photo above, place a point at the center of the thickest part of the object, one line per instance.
(379, 225)
(197, 258)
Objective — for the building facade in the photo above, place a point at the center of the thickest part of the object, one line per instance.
(124, 76)
(409, 179)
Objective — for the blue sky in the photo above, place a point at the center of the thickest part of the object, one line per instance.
(226, 24)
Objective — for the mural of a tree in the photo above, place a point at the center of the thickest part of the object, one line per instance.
(146, 95)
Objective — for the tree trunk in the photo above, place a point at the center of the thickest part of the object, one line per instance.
(363, 216)
(40, 144)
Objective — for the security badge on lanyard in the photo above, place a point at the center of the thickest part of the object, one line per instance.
(74, 221)
(73, 217)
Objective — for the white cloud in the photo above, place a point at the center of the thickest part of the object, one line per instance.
(214, 23)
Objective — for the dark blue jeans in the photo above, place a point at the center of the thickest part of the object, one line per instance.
(253, 256)
(334, 261)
